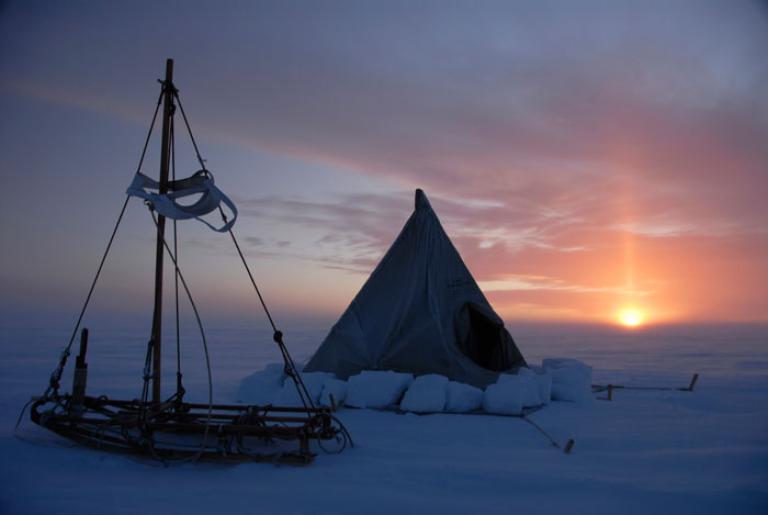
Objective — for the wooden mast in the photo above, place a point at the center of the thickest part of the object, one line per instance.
(157, 317)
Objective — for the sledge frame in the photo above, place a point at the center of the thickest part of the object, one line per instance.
(221, 432)
(208, 431)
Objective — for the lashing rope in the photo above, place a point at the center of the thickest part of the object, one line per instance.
(277, 335)
(202, 335)
(179, 386)
(53, 386)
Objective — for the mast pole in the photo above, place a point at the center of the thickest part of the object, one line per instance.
(157, 316)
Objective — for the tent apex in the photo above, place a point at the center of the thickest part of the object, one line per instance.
(421, 201)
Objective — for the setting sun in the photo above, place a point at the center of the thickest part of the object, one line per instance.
(631, 317)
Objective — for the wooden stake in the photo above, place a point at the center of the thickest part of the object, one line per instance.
(693, 382)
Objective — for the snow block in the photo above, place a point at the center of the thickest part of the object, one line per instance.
(376, 388)
(571, 380)
(260, 387)
(427, 394)
(544, 385)
(558, 363)
(336, 388)
(504, 398)
(462, 398)
(289, 396)
(525, 382)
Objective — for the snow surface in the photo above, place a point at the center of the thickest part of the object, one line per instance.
(653, 453)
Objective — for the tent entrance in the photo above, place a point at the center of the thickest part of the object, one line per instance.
(485, 343)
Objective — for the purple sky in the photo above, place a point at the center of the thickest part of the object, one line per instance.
(585, 157)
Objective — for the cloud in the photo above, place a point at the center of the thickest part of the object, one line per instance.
(592, 150)
(569, 260)
(531, 283)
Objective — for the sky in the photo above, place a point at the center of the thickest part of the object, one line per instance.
(585, 158)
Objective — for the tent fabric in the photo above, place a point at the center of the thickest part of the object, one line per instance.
(421, 312)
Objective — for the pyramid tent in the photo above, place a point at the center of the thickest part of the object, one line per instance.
(420, 311)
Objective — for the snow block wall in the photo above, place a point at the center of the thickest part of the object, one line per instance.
(503, 398)
(334, 393)
(571, 380)
(525, 381)
(544, 384)
(463, 398)
(377, 388)
(261, 387)
(561, 379)
(426, 394)
(288, 395)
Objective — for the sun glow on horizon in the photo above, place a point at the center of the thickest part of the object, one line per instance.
(631, 317)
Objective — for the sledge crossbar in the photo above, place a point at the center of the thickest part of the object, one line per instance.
(147, 428)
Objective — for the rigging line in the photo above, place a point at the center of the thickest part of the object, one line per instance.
(179, 387)
(250, 275)
(568, 444)
(56, 376)
(151, 126)
(202, 335)
(147, 375)
(278, 335)
(189, 129)
(295, 375)
(21, 414)
(541, 430)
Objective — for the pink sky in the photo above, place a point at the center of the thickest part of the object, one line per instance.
(584, 159)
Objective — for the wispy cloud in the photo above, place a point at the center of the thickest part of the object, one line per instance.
(573, 151)
(532, 282)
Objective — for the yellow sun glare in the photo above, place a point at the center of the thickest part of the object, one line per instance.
(631, 317)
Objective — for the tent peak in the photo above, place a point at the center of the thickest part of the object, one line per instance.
(421, 201)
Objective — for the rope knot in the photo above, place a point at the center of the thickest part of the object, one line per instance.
(168, 85)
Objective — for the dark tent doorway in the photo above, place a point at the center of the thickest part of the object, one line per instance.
(487, 342)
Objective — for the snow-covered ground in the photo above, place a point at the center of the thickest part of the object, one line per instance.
(645, 452)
